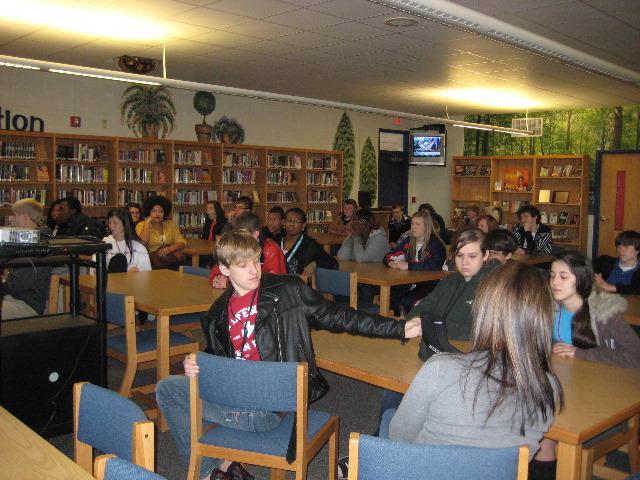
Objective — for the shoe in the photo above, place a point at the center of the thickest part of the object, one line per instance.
(237, 472)
(343, 468)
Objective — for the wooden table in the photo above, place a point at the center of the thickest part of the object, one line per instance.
(597, 396)
(385, 278)
(328, 239)
(196, 247)
(632, 316)
(25, 454)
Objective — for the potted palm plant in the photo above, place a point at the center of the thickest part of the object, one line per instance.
(228, 130)
(205, 104)
(148, 110)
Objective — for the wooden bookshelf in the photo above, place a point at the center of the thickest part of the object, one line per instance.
(514, 181)
(113, 171)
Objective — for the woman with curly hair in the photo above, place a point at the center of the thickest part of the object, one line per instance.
(162, 236)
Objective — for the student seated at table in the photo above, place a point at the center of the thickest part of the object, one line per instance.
(53, 216)
(162, 237)
(423, 250)
(341, 225)
(257, 303)
(367, 241)
(274, 228)
(534, 238)
(215, 221)
(487, 223)
(271, 257)
(25, 288)
(241, 205)
(438, 224)
(302, 253)
(501, 245)
(588, 325)
(73, 223)
(503, 392)
(128, 253)
(621, 274)
(135, 210)
(398, 224)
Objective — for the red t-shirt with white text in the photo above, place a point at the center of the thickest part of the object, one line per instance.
(242, 312)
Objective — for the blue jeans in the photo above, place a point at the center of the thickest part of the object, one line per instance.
(390, 400)
(172, 395)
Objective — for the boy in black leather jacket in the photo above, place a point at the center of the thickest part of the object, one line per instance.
(262, 318)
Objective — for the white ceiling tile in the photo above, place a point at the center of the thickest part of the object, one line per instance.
(210, 18)
(394, 41)
(309, 40)
(261, 29)
(434, 32)
(305, 19)
(353, 10)
(10, 31)
(146, 9)
(350, 31)
(44, 42)
(560, 13)
(270, 47)
(253, 8)
(223, 38)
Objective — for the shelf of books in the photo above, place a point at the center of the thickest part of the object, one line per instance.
(105, 172)
(556, 184)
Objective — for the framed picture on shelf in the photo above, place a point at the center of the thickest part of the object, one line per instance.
(459, 170)
(567, 170)
(485, 170)
(575, 219)
(557, 171)
(544, 196)
(553, 218)
(562, 218)
(544, 171)
(560, 197)
(497, 186)
(473, 169)
(517, 179)
(543, 217)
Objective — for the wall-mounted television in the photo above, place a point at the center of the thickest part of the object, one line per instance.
(427, 148)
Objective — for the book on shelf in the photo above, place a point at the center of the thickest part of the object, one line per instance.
(553, 218)
(575, 219)
(287, 161)
(81, 173)
(42, 173)
(577, 172)
(206, 176)
(255, 196)
(322, 162)
(517, 179)
(458, 212)
(560, 196)
(544, 196)
(562, 218)
(17, 150)
(212, 195)
(557, 171)
(9, 196)
(485, 170)
(459, 170)
(473, 169)
(567, 170)
(497, 185)
(559, 234)
(543, 217)
(280, 177)
(544, 171)
(233, 159)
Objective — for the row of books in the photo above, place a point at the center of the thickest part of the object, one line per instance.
(8, 196)
(240, 177)
(81, 174)
(190, 157)
(14, 173)
(282, 197)
(327, 179)
(556, 196)
(91, 197)
(136, 175)
(281, 178)
(317, 230)
(18, 150)
(325, 162)
(80, 152)
(568, 170)
(189, 219)
(191, 175)
(284, 161)
(233, 159)
(230, 196)
(560, 218)
(142, 156)
(511, 206)
(127, 195)
(319, 216)
(472, 170)
(194, 197)
(321, 196)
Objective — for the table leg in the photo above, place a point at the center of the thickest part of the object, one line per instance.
(163, 357)
(195, 260)
(385, 299)
(569, 461)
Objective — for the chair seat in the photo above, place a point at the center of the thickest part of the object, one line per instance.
(274, 442)
(146, 341)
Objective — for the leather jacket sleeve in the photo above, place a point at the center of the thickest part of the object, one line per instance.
(327, 315)
(273, 259)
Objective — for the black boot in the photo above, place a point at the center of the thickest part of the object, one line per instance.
(542, 470)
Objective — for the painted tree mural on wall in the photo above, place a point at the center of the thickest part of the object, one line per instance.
(345, 141)
(369, 170)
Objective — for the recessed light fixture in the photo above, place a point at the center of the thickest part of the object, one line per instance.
(400, 22)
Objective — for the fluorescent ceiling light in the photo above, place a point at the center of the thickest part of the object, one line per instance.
(488, 97)
(473, 127)
(18, 65)
(96, 22)
(104, 77)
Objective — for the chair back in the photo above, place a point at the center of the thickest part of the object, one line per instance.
(110, 467)
(201, 272)
(373, 458)
(335, 282)
(263, 386)
(117, 308)
(106, 420)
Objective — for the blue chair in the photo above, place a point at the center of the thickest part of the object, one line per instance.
(110, 423)
(622, 435)
(110, 467)
(133, 348)
(374, 458)
(335, 282)
(240, 384)
(187, 322)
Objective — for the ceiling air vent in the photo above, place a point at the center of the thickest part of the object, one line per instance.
(532, 124)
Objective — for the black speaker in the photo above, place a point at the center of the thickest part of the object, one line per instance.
(40, 360)
(364, 199)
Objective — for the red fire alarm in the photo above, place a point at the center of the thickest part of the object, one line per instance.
(75, 122)
(397, 121)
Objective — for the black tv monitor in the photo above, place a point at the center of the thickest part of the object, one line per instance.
(427, 148)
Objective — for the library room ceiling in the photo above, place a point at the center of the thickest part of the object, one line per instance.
(342, 50)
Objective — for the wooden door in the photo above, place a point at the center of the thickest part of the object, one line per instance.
(619, 198)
